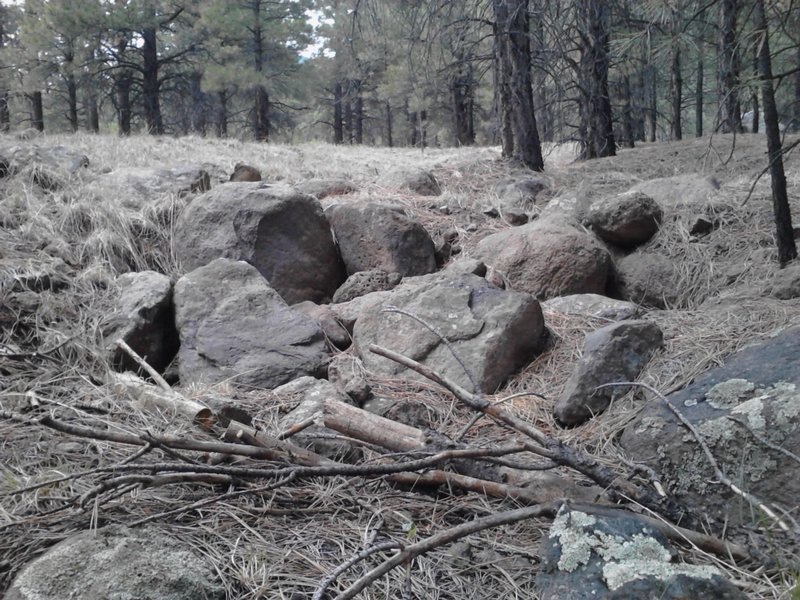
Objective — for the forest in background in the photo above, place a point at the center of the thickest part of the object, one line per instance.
(396, 73)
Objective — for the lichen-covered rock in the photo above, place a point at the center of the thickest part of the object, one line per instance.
(377, 236)
(627, 220)
(620, 558)
(119, 563)
(493, 332)
(756, 394)
(648, 279)
(366, 282)
(234, 326)
(281, 232)
(548, 258)
(616, 353)
(144, 319)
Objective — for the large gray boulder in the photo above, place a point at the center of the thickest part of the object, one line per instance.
(616, 353)
(627, 220)
(233, 325)
(548, 258)
(144, 320)
(376, 236)
(620, 558)
(492, 331)
(120, 564)
(281, 232)
(752, 400)
(648, 279)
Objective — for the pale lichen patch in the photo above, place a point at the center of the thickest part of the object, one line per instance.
(617, 574)
(728, 394)
(576, 545)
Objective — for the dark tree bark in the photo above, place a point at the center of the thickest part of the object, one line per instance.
(787, 250)
(389, 141)
(502, 76)
(627, 113)
(123, 84)
(675, 82)
(461, 88)
(544, 118)
(222, 114)
(37, 110)
(796, 104)
(515, 37)
(358, 114)
(652, 107)
(338, 126)
(348, 115)
(596, 129)
(700, 81)
(72, 102)
(730, 112)
(754, 94)
(5, 113)
(261, 123)
(150, 82)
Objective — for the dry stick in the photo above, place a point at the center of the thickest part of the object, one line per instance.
(446, 537)
(150, 481)
(765, 441)
(297, 428)
(365, 553)
(753, 500)
(160, 381)
(552, 448)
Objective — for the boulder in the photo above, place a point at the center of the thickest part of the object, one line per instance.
(493, 332)
(136, 187)
(311, 394)
(617, 558)
(648, 279)
(337, 334)
(347, 313)
(786, 283)
(376, 236)
(548, 258)
(322, 188)
(519, 193)
(280, 231)
(243, 172)
(233, 325)
(417, 180)
(615, 353)
(592, 306)
(627, 220)
(49, 167)
(752, 399)
(348, 374)
(144, 320)
(119, 563)
(366, 282)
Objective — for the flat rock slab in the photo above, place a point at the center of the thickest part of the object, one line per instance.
(616, 353)
(592, 306)
(119, 563)
(620, 558)
(755, 392)
(493, 332)
(648, 279)
(233, 325)
(280, 231)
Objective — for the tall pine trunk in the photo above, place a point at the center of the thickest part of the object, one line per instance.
(700, 82)
(502, 69)
(597, 133)
(261, 124)
(338, 126)
(37, 110)
(389, 140)
(787, 250)
(222, 114)
(150, 82)
(730, 112)
(675, 82)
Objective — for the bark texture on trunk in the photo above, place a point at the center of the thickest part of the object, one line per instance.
(730, 112)
(787, 250)
(150, 82)
(37, 111)
(596, 127)
(338, 126)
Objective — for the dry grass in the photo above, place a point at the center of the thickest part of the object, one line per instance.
(283, 543)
